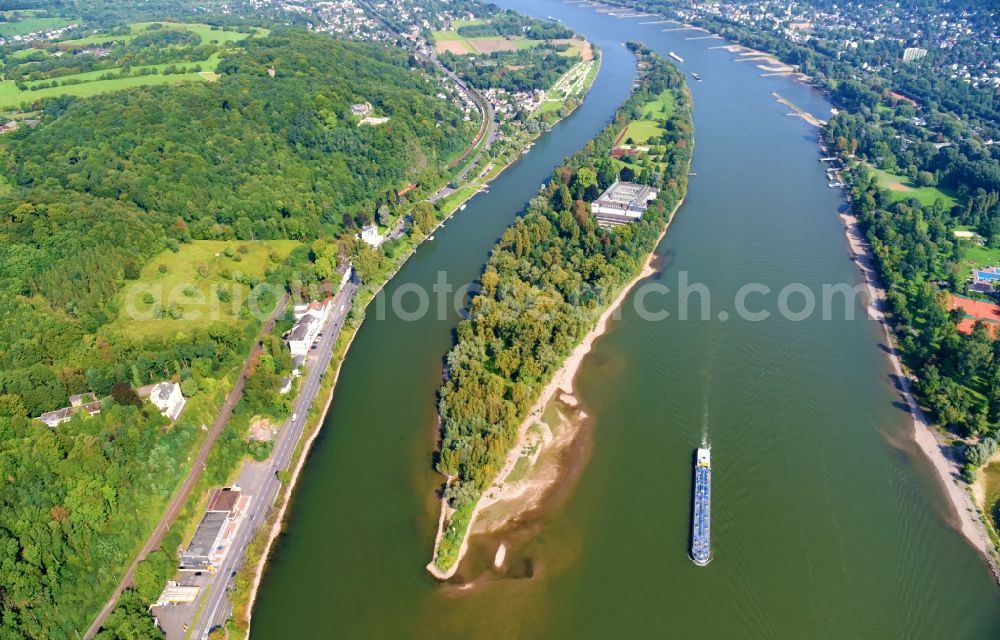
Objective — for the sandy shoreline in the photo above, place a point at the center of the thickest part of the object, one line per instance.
(562, 384)
(774, 66)
(285, 498)
(967, 517)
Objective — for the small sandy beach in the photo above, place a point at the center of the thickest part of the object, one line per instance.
(527, 494)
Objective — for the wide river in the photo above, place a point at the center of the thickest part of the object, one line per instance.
(826, 521)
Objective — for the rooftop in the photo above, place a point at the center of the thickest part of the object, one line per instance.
(223, 500)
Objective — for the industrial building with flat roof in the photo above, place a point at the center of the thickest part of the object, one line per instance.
(216, 530)
(622, 203)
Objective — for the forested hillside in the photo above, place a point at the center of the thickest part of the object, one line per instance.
(548, 278)
(252, 156)
(102, 186)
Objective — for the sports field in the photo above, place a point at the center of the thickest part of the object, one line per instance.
(975, 310)
(189, 282)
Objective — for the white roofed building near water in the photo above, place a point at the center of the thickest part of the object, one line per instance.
(622, 203)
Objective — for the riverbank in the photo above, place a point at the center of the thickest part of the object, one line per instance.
(280, 508)
(968, 519)
(529, 491)
(773, 67)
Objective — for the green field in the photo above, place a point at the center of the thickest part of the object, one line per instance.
(451, 36)
(190, 282)
(24, 53)
(981, 256)
(31, 25)
(93, 76)
(659, 109)
(902, 188)
(11, 97)
(90, 83)
(467, 23)
(641, 131)
(655, 113)
(550, 105)
(204, 31)
(469, 43)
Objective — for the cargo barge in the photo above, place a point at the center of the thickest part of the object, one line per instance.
(701, 514)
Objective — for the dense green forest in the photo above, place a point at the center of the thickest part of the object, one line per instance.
(266, 158)
(102, 186)
(548, 278)
(522, 70)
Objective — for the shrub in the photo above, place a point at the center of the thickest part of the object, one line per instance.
(259, 450)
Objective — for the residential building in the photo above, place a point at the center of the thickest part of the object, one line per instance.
(361, 109)
(309, 322)
(81, 399)
(369, 234)
(167, 397)
(911, 54)
(83, 402)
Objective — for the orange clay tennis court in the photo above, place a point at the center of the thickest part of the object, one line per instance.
(975, 310)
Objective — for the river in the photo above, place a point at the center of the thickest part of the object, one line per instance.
(826, 521)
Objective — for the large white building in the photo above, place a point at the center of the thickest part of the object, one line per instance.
(369, 234)
(622, 203)
(168, 399)
(309, 321)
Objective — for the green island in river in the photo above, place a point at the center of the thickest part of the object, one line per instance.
(550, 284)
